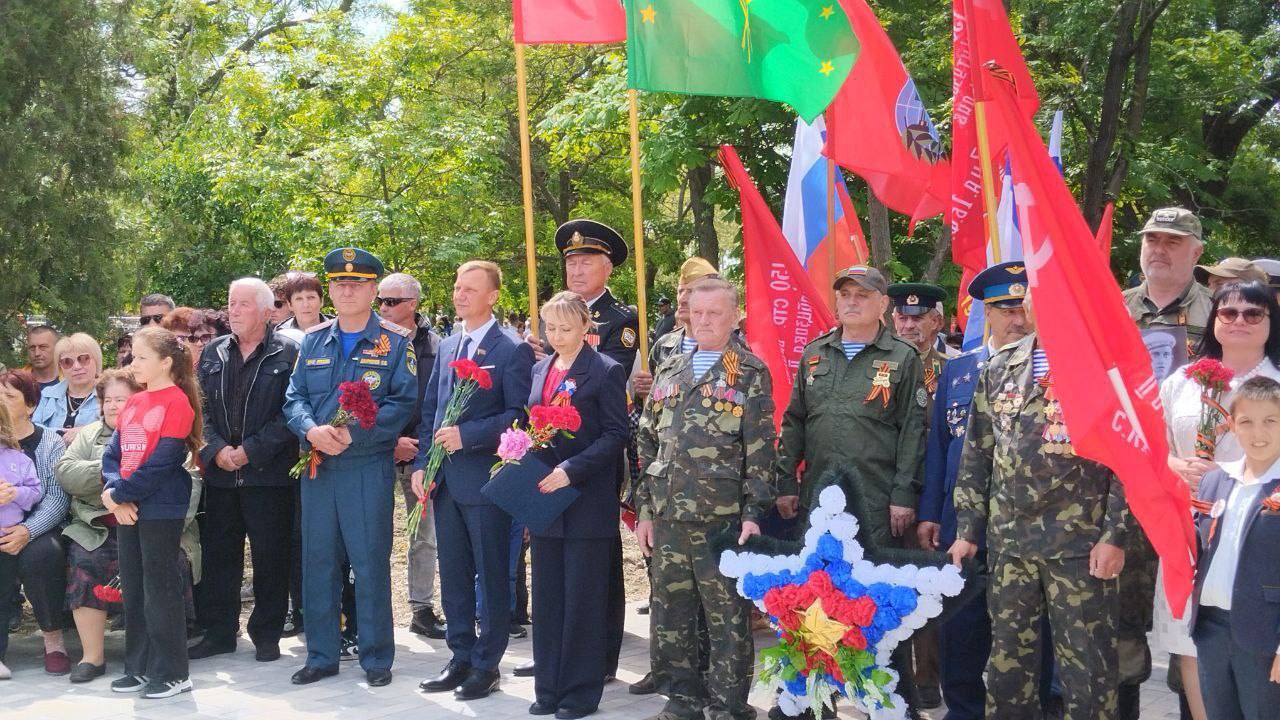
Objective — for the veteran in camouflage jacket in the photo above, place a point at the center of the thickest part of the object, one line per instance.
(1055, 527)
(706, 444)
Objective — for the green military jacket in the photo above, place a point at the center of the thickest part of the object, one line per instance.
(933, 362)
(1025, 495)
(707, 444)
(1190, 310)
(839, 416)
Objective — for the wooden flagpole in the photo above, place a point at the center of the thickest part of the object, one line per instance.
(988, 182)
(637, 229)
(526, 182)
(831, 227)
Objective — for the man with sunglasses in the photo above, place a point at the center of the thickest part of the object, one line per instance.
(1169, 296)
(397, 301)
(152, 309)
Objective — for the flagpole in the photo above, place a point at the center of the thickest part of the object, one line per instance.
(988, 182)
(831, 226)
(637, 228)
(526, 182)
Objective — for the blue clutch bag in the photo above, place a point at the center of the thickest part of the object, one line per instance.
(514, 488)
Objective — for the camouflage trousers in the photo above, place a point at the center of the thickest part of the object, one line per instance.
(687, 580)
(1137, 603)
(1082, 619)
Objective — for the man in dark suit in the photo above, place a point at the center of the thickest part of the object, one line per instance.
(476, 532)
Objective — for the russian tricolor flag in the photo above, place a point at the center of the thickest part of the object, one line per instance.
(805, 221)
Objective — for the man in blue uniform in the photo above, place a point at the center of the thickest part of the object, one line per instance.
(347, 506)
(965, 639)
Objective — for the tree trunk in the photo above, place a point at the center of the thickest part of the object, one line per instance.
(704, 220)
(878, 224)
(1096, 173)
(941, 254)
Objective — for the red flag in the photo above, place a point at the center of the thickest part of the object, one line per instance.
(879, 128)
(964, 301)
(980, 32)
(1109, 394)
(587, 22)
(1104, 231)
(784, 310)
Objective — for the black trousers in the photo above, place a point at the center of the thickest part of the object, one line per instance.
(42, 570)
(155, 629)
(8, 593)
(570, 605)
(617, 608)
(265, 516)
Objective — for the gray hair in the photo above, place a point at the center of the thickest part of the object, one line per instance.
(716, 284)
(402, 281)
(261, 291)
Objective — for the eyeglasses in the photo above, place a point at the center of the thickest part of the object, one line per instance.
(148, 319)
(1252, 316)
(392, 302)
(66, 363)
(202, 339)
(280, 304)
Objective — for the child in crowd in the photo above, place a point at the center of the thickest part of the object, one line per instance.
(20, 490)
(148, 490)
(1236, 620)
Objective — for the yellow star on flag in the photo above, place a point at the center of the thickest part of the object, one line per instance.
(819, 631)
(827, 12)
(647, 14)
(827, 68)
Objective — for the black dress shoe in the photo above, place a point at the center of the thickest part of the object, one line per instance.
(540, 708)
(479, 684)
(427, 623)
(451, 677)
(930, 697)
(208, 647)
(517, 632)
(378, 677)
(309, 674)
(643, 686)
(567, 714)
(84, 672)
(266, 653)
(524, 669)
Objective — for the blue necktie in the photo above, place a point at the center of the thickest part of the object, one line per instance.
(466, 345)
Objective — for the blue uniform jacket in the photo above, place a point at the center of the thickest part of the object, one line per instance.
(1255, 594)
(487, 414)
(383, 358)
(947, 427)
(590, 458)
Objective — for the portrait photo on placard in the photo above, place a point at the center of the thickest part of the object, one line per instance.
(1168, 349)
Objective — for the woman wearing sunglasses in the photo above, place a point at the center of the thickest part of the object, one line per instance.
(1244, 334)
(71, 403)
(194, 329)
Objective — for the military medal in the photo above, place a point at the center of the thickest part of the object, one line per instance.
(1055, 436)
(720, 395)
(931, 377)
(706, 396)
(880, 387)
(813, 365)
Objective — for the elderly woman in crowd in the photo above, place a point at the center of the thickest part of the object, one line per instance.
(37, 540)
(1243, 334)
(70, 403)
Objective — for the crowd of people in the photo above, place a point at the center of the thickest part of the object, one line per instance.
(128, 494)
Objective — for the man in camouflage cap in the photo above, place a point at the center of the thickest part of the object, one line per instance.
(1054, 525)
(706, 445)
(1172, 242)
(859, 401)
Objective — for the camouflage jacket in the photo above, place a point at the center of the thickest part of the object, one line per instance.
(1191, 310)
(838, 415)
(707, 444)
(1031, 497)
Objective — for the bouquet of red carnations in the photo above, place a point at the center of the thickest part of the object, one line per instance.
(355, 404)
(109, 593)
(1213, 378)
(545, 423)
(471, 377)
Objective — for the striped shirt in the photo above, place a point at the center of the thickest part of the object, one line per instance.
(1039, 363)
(703, 360)
(851, 348)
(687, 345)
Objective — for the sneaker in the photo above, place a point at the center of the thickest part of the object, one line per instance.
(292, 624)
(4, 672)
(159, 690)
(129, 684)
(349, 650)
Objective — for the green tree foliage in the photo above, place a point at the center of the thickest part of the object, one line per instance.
(61, 133)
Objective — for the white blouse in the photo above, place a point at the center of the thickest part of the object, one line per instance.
(1180, 396)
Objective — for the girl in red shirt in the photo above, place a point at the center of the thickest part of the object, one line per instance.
(148, 489)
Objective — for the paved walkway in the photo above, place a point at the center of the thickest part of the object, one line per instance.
(236, 687)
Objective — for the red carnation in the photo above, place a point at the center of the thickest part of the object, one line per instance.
(108, 594)
(483, 379)
(854, 638)
(357, 401)
(864, 609)
(1210, 374)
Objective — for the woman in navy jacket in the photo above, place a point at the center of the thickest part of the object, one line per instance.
(1235, 617)
(571, 558)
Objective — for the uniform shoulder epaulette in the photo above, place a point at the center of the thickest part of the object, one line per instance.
(392, 327)
(822, 338)
(624, 309)
(322, 326)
